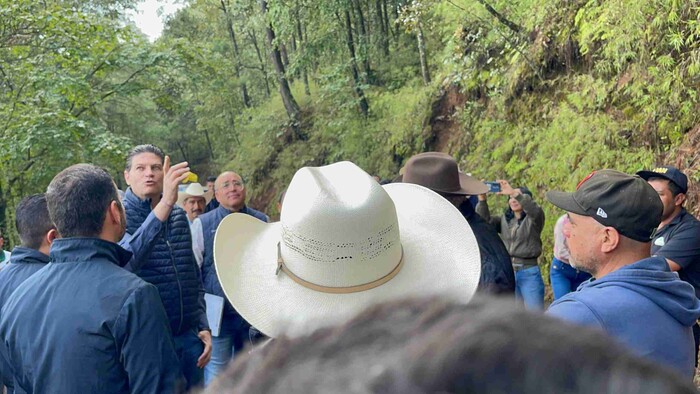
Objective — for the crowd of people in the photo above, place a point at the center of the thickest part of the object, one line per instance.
(359, 287)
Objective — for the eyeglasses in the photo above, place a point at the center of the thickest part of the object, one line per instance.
(234, 185)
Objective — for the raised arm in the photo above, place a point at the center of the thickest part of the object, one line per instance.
(482, 209)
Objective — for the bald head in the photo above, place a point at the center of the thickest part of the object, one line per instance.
(230, 191)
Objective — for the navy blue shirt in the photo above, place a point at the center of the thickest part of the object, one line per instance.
(24, 263)
(83, 324)
(680, 241)
(213, 204)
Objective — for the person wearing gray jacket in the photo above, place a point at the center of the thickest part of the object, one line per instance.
(520, 228)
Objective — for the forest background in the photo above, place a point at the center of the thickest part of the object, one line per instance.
(540, 92)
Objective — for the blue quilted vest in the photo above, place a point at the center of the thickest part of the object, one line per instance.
(171, 266)
(210, 222)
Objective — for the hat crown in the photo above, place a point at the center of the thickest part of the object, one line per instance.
(434, 170)
(339, 227)
(194, 189)
(625, 202)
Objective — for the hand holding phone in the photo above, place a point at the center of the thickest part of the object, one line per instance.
(494, 187)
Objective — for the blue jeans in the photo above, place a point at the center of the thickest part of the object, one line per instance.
(565, 278)
(189, 347)
(222, 351)
(529, 287)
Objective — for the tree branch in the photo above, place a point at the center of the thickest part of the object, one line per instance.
(116, 89)
(500, 17)
(26, 168)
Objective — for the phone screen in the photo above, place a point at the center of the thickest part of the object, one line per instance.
(494, 187)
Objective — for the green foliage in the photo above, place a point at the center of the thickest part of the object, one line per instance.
(61, 64)
(549, 90)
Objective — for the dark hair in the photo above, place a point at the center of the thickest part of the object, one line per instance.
(78, 198)
(145, 148)
(525, 190)
(672, 187)
(433, 345)
(211, 178)
(508, 212)
(32, 220)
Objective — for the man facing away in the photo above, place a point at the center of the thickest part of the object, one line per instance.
(439, 172)
(677, 238)
(229, 191)
(158, 234)
(83, 324)
(633, 297)
(36, 232)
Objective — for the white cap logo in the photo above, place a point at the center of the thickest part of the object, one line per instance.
(601, 213)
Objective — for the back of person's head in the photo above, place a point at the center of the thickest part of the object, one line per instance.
(32, 220)
(431, 345)
(78, 198)
(145, 148)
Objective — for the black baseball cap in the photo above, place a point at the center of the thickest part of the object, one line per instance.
(615, 199)
(671, 173)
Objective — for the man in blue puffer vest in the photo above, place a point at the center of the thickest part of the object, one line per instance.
(158, 234)
(229, 190)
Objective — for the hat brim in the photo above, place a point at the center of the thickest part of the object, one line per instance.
(566, 201)
(651, 174)
(182, 196)
(469, 186)
(441, 257)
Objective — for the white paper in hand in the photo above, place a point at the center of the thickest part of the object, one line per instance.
(215, 311)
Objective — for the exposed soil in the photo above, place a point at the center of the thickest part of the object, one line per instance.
(687, 158)
(442, 122)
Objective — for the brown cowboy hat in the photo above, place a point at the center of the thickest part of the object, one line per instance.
(439, 172)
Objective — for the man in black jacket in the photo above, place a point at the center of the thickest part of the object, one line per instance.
(439, 173)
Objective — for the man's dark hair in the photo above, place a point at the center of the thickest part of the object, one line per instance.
(145, 148)
(78, 198)
(32, 220)
(672, 187)
(211, 178)
(432, 345)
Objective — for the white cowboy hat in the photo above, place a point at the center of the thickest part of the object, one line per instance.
(345, 243)
(194, 190)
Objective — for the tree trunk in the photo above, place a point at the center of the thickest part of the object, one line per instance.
(211, 149)
(302, 44)
(290, 104)
(364, 105)
(285, 56)
(395, 16)
(237, 56)
(423, 55)
(363, 40)
(383, 39)
(387, 23)
(263, 65)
